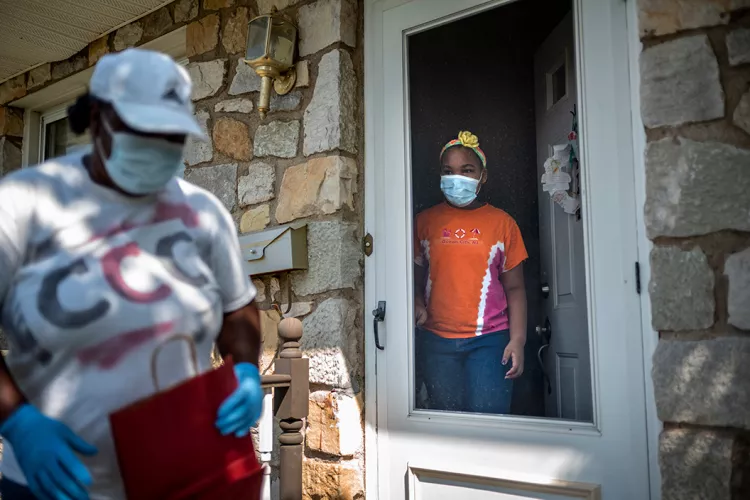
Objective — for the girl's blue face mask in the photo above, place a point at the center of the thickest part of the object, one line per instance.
(459, 190)
(140, 165)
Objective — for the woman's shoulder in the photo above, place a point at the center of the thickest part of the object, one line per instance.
(50, 176)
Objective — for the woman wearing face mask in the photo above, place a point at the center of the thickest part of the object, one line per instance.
(103, 257)
(470, 299)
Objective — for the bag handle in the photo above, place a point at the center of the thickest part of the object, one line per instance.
(157, 351)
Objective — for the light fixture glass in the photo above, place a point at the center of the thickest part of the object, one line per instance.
(271, 40)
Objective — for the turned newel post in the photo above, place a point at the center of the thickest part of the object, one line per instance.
(290, 406)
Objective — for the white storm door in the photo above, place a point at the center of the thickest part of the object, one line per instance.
(430, 455)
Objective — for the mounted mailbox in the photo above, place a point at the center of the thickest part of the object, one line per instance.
(276, 250)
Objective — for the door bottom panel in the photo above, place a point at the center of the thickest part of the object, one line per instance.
(432, 484)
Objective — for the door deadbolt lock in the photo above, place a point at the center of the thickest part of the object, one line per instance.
(545, 332)
(545, 290)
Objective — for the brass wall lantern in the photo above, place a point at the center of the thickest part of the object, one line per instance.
(271, 41)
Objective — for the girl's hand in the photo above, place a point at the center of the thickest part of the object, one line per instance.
(514, 353)
(420, 314)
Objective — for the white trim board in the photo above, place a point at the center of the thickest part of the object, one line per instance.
(650, 337)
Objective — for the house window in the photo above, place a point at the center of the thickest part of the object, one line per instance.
(56, 137)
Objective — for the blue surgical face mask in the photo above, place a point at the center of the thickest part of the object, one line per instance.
(140, 165)
(459, 190)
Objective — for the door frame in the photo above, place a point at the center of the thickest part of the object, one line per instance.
(627, 88)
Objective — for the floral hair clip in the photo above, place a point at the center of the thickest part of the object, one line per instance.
(467, 140)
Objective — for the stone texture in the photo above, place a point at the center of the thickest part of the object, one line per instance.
(221, 180)
(269, 323)
(255, 219)
(202, 35)
(275, 288)
(738, 46)
(73, 65)
(234, 37)
(97, 49)
(741, 116)
(245, 80)
(330, 118)
(703, 382)
(327, 480)
(185, 10)
(265, 6)
(278, 139)
(662, 17)
(683, 177)
(13, 89)
(260, 288)
(157, 23)
(208, 77)
(319, 186)
(737, 270)
(334, 258)
(681, 289)
(330, 343)
(127, 36)
(40, 75)
(200, 151)
(695, 464)
(303, 74)
(232, 137)
(10, 155)
(680, 83)
(217, 4)
(257, 185)
(288, 102)
(325, 22)
(11, 121)
(234, 106)
(299, 309)
(333, 424)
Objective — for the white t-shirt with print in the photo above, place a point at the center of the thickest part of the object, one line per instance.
(91, 281)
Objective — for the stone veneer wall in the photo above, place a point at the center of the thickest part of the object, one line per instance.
(301, 164)
(695, 104)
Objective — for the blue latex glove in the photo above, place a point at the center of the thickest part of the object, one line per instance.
(45, 451)
(241, 410)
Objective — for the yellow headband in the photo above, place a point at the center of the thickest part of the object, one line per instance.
(467, 140)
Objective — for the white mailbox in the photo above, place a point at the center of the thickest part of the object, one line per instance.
(276, 250)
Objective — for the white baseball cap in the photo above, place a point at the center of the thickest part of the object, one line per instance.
(149, 91)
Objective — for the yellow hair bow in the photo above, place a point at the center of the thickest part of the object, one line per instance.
(468, 139)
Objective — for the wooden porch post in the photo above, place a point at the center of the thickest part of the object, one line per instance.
(291, 406)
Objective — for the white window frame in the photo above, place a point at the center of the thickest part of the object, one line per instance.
(51, 103)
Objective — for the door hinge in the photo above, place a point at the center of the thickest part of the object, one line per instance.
(367, 244)
(638, 278)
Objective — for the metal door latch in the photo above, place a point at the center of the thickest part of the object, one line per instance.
(378, 317)
(367, 243)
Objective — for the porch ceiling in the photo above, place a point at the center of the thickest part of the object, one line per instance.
(33, 32)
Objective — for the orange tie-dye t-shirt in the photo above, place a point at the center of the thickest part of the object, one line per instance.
(464, 253)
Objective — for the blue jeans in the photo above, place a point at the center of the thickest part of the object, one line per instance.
(14, 491)
(465, 374)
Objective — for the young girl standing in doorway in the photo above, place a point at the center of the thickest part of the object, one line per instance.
(470, 298)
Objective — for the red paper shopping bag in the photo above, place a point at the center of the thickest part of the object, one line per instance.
(168, 447)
